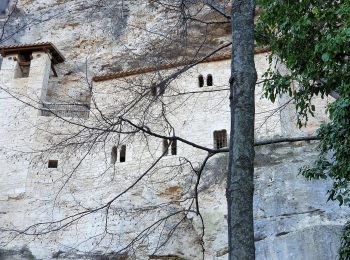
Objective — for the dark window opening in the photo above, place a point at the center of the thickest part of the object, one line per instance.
(220, 139)
(165, 147)
(154, 91)
(3, 6)
(122, 153)
(173, 147)
(23, 62)
(209, 80)
(200, 81)
(52, 164)
(114, 154)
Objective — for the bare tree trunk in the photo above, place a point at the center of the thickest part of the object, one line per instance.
(240, 186)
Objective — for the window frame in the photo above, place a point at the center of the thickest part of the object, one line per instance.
(210, 80)
(172, 144)
(52, 164)
(23, 64)
(122, 153)
(220, 139)
(165, 147)
(114, 154)
(173, 147)
(200, 81)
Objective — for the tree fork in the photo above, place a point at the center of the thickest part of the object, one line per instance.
(240, 184)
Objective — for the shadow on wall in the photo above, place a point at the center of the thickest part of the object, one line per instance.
(215, 172)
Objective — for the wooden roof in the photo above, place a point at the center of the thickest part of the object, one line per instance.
(56, 55)
(137, 71)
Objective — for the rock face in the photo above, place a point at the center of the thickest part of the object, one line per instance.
(292, 218)
(305, 226)
(69, 190)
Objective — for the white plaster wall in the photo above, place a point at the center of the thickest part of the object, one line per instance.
(94, 181)
(290, 212)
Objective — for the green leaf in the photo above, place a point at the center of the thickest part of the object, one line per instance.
(340, 199)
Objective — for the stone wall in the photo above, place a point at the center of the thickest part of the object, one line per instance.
(292, 218)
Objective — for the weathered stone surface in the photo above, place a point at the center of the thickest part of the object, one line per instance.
(315, 242)
(292, 218)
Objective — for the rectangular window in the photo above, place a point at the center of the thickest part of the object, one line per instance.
(122, 153)
(154, 91)
(220, 139)
(173, 147)
(23, 65)
(52, 164)
(209, 80)
(165, 147)
(114, 154)
(172, 144)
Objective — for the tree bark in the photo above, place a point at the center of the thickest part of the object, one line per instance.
(240, 185)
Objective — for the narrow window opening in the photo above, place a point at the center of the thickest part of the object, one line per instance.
(114, 154)
(52, 164)
(165, 147)
(23, 64)
(220, 139)
(209, 80)
(200, 81)
(154, 91)
(173, 147)
(122, 154)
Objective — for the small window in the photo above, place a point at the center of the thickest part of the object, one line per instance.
(114, 154)
(220, 139)
(200, 81)
(165, 147)
(3, 6)
(23, 65)
(52, 164)
(154, 91)
(209, 80)
(122, 153)
(173, 147)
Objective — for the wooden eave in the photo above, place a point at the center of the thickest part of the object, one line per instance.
(137, 71)
(56, 55)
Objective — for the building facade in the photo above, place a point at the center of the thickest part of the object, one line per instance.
(91, 168)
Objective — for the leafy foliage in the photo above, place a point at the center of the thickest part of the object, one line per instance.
(312, 39)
